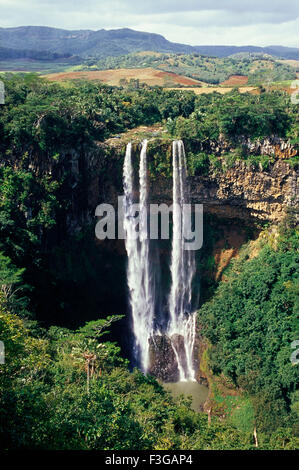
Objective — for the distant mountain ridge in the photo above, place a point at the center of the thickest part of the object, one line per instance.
(115, 42)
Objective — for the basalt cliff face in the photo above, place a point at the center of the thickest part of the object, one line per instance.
(241, 191)
(94, 175)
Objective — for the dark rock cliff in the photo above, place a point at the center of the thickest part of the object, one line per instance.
(241, 191)
(93, 175)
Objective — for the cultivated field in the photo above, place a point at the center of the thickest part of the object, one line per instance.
(148, 75)
(235, 80)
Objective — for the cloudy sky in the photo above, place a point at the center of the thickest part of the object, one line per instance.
(239, 22)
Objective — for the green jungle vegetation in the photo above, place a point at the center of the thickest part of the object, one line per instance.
(46, 117)
(250, 322)
(236, 117)
(67, 386)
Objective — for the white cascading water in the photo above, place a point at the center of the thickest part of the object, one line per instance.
(138, 270)
(182, 323)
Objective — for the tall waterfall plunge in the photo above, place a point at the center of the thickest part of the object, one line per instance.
(138, 270)
(181, 326)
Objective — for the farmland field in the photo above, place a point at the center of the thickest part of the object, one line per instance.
(236, 80)
(148, 75)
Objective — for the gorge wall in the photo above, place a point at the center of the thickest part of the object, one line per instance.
(94, 175)
(240, 191)
(88, 269)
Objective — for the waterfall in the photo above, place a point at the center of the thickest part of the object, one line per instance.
(181, 328)
(182, 321)
(137, 247)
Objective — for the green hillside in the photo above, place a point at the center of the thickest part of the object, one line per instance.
(258, 67)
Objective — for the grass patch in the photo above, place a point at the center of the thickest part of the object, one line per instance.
(225, 401)
(243, 415)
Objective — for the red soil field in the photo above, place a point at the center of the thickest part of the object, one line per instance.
(236, 80)
(112, 77)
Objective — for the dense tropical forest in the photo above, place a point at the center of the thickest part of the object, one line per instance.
(66, 383)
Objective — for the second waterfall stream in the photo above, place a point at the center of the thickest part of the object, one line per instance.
(181, 328)
(182, 321)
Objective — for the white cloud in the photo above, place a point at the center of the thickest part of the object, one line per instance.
(257, 35)
(194, 22)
